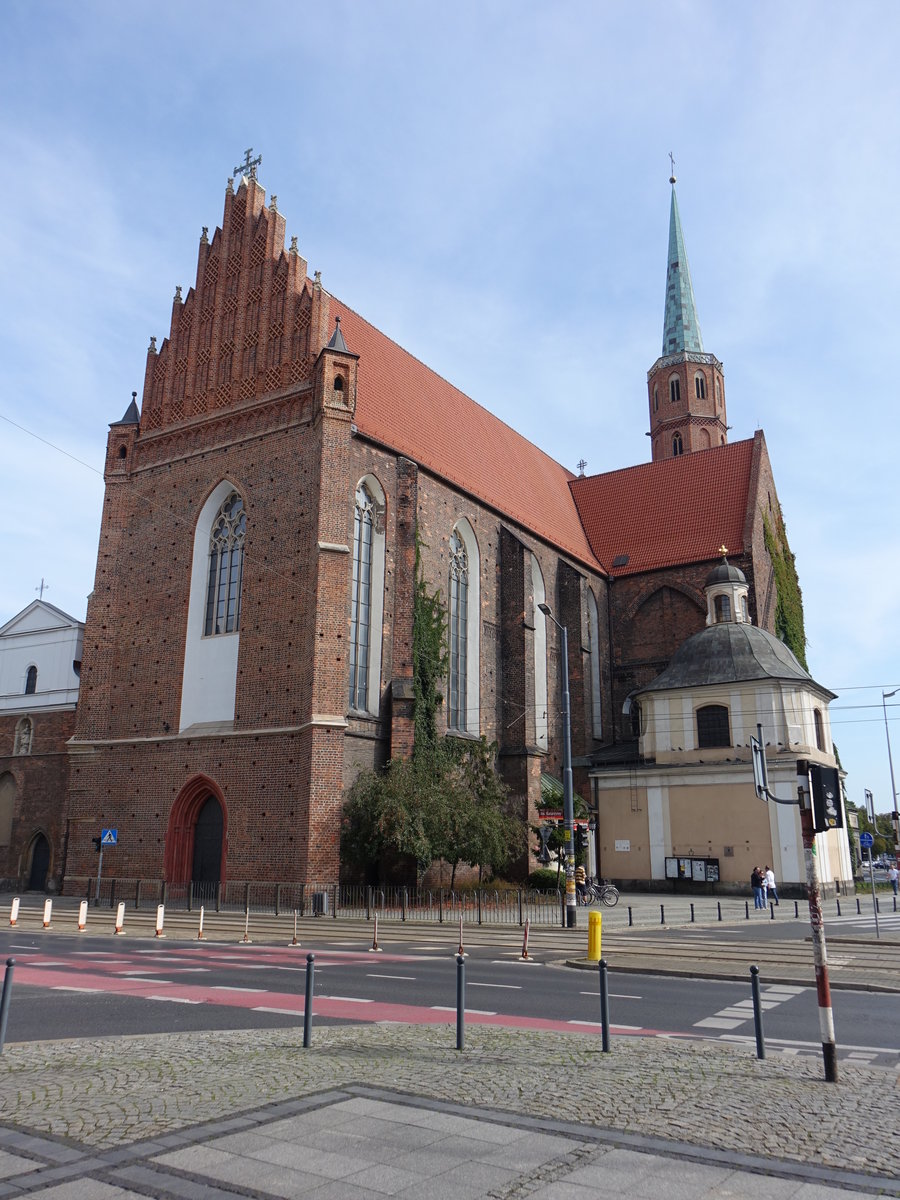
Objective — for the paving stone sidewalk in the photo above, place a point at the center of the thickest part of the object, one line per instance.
(111, 1096)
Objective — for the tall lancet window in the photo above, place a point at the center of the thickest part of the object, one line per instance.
(361, 597)
(459, 632)
(226, 567)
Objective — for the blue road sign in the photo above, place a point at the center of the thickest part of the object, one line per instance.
(866, 841)
(109, 837)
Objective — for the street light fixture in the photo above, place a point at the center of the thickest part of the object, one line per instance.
(885, 696)
(568, 803)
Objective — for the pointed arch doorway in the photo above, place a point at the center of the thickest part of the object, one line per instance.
(196, 839)
(40, 863)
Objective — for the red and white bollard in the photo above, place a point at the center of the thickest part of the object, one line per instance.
(82, 916)
(48, 912)
(375, 946)
(14, 911)
(200, 934)
(160, 919)
(294, 941)
(526, 957)
(120, 917)
(246, 939)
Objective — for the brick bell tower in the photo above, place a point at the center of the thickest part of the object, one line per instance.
(686, 386)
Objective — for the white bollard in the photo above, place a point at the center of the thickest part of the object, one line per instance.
(200, 934)
(160, 919)
(82, 916)
(14, 911)
(48, 911)
(120, 917)
(246, 938)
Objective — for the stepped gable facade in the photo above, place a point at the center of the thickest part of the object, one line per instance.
(248, 646)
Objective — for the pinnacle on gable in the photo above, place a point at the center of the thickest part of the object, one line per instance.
(132, 416)
(337, 339)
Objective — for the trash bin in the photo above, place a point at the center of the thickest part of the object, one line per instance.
(319, 904)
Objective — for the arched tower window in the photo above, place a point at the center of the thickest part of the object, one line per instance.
(459, 625)
(712, 726)
(366, 596)
(820, 730)
(31, 681)
(700, 385)
(674, 389)
(722, 608)
(677, 445)
(226, 567)
(656, 399)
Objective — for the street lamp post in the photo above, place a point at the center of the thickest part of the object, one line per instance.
(895, 818)
(568, 803)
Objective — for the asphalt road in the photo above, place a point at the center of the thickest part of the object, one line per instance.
(88, 987)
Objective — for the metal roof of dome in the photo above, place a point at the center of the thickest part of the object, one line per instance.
(725, 573)
(730, 652)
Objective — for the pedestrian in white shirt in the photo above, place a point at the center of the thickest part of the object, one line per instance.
(770, 886)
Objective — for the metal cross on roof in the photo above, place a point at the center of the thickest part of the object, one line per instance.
(249, 165)
(581, 464)
(723, 549)
(45, 587)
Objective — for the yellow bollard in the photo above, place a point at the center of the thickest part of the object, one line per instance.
(595, 926)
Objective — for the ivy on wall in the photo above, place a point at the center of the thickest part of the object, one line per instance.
(430, 657)
(789, 624)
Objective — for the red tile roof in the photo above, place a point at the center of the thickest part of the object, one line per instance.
(402, 404)
(677, 510)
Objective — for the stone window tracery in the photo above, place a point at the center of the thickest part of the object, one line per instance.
(459, 623)
(226, 567)
(677, 445)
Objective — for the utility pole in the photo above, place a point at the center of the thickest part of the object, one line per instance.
(817, 925)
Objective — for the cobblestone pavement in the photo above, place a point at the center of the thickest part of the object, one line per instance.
(94, 1105)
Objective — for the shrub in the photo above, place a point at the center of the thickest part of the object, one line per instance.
(545, 879)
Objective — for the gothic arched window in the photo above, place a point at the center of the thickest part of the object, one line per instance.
(712, 726)
(674, 389)
(226, 566)
(459, 629)
(700, 385)
(31, 681)
(677, 445)
(656, 399)
(361, 596)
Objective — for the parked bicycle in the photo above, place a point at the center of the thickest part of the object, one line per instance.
(602, 892)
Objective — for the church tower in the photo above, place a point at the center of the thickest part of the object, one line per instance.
(686, 386)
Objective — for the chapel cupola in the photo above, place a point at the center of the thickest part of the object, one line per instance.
(686, 386)
(727, 593)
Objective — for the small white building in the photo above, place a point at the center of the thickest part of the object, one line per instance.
(40, 663)
(686, 808)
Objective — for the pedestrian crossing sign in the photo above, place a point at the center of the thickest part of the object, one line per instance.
(109, 837)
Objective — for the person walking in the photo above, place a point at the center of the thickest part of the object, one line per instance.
(580, 884)
(756, 882)
(893, 876)
(771, 889)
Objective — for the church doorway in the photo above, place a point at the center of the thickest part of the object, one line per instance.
(207, 866)
(196, 840)
(40, 864)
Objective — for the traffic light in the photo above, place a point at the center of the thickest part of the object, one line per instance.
(826, 798)
(97, 844)
(582, 837)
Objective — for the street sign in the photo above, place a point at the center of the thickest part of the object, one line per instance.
(109, 837)
(870, 805)
(866, 841)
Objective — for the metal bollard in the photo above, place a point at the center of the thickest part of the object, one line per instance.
(692, 914)
(772, 909)
(719, 906)
(757, 1012)
(307, 1007)
(858, 909)
(460, 1002)
(838, 905)
(5, 998)
(797, 909)
(662, 914)
(630, 917)
(604, 1005)
(747, 910)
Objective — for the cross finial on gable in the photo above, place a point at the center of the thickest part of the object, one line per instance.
(581, 464)
(723, 549)
(45, 587)
(249, 165)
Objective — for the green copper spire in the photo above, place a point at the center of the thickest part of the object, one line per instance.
(681, 330)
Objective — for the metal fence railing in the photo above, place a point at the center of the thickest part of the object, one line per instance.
(481, 906)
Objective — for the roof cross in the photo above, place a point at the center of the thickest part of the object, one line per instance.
(581, 464)
(45, 587)
(249, 165)
(723, 549)
(672, 161)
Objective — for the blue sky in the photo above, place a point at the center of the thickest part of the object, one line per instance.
(487, 183)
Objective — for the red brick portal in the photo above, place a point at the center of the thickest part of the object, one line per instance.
(179, 861)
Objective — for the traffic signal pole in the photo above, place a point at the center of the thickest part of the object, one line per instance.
(817, 925)
(99, 844)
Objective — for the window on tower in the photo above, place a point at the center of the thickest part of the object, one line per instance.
(366, 596)
(226, 568)
(656, 399)
(31, 681)
(674, 389)
(700, 385)
(712, 726)
(722, 608)
(677, 445)
(459, 625)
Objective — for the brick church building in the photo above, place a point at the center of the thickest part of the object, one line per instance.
(248, 642)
